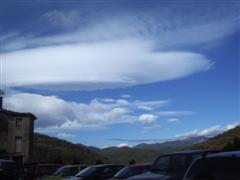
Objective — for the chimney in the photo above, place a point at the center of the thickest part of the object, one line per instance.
(1, 99)
(1, 102)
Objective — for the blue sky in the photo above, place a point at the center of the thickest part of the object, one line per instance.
(108, 73)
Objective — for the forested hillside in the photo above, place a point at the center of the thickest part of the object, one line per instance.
(228, 140)
(53, 150)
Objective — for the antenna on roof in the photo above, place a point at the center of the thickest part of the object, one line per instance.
(1, 65)
(1, 92)
(1, 74)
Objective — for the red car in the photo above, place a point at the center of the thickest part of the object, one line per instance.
(39, 170)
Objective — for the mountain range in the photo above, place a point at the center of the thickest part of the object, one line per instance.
(49, 149)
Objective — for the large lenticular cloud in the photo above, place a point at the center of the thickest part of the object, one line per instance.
(98, 65)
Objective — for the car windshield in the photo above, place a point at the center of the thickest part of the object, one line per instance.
(172, 163)
(59, 171)
(215, 168)
(87, 172)
(129, 171)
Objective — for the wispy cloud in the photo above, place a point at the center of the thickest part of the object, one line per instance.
(167, 26)
(66, 136)
(150, 127)
(135, 140)
(126, 96)
(176, 113)
(90, 51)
(173, 120)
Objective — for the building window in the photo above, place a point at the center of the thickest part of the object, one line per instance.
(18, 122)
(18, 144)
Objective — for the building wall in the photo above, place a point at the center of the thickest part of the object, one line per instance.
(23, 130)
(3, 132)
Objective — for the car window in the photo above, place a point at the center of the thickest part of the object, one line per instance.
(70, 171)
(87, 172)
(129, 171)
(117, 169)
(107, 170)
(162, 163)
(59, 171)
(173, 163)
(178, 162)
(215, 168)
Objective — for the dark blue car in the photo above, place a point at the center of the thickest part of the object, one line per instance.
(171, 166)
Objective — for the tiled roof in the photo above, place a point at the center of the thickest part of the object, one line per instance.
(12, 113)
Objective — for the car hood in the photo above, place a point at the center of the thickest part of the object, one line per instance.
(72, 178)
(151, 176)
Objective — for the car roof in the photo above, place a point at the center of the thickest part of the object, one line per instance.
(106, 165)
(69, 166)
(48, 164)
(140, 165)
(225, 154)
(191, 152)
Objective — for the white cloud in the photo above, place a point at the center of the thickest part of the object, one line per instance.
(122, 145)
(147, 118)
(151, 127)
(99, 65)
(101, 51)
(126, 96)
(66, 136)
(150, 105)
(55, 113)
(167, 27)
(175, 113)
(173, 120)
(233, 125)
(209, 132)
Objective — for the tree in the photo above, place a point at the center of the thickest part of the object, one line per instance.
(132, 161)
(99, 161)
(75, 161)
(58, 160)
(233, 145)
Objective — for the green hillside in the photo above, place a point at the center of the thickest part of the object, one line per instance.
(125, 154)
(227, 140)
(53, 150)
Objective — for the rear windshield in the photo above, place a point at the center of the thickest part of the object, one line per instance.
(215, 168)
(129, 171)
(173, 163)
(67, 171)
(87, 172)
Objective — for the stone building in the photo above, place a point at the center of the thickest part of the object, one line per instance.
(16, 135)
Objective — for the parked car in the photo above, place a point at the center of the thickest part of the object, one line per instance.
(65, 171)
(9, 170)
(171, 166)
(37, 171)
(132, 170)
(220, 166)
(97, 172)
(70, 170)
